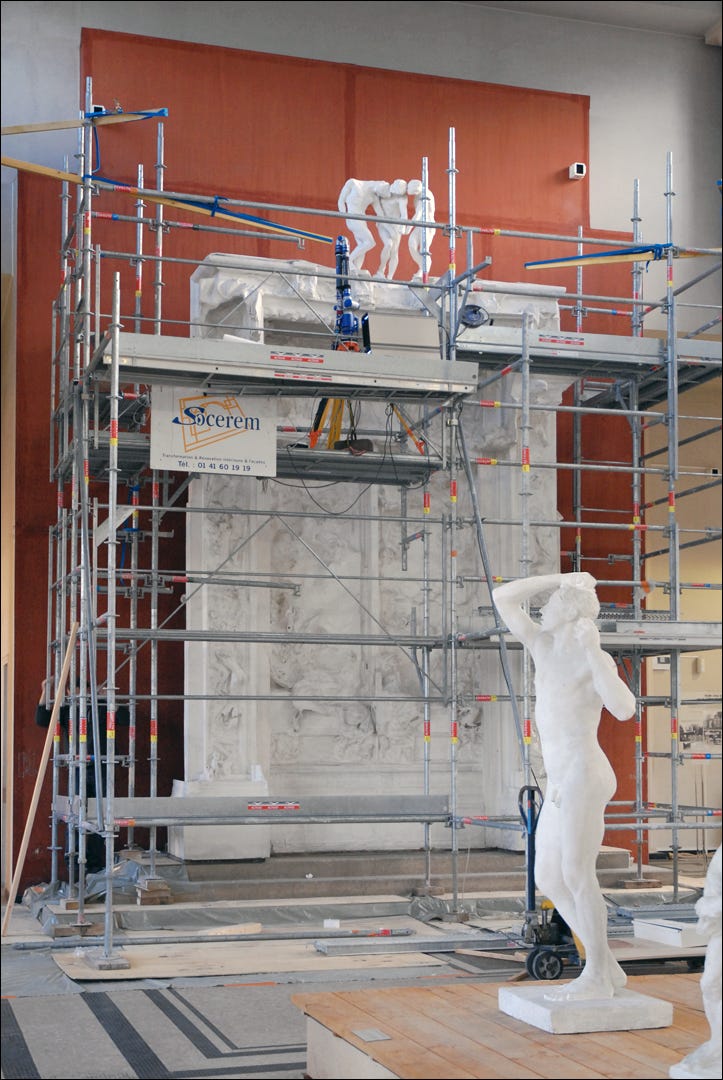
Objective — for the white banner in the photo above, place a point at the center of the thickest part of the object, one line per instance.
(192, 431)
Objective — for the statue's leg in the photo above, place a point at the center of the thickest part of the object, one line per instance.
(574, 890)
(364, 243)
(393, 256)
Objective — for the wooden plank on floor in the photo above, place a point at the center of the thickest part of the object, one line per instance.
(456, 1029)
(227, 958)
(413, 1017)
(402, 1055)
(513, 1038)
(637, 1046)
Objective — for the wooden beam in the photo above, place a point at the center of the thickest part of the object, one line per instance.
(212, 210)
(40, 778)
(602, 258)
(97, 121)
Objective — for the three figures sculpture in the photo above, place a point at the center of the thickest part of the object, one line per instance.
(388, 201)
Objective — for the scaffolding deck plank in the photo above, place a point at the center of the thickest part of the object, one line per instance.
(266, 809)
(252, 367)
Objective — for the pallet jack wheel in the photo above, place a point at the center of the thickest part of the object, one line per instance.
(543, 964)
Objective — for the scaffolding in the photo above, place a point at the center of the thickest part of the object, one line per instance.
(103, 380)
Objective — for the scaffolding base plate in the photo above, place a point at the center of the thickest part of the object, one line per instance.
(95, 959)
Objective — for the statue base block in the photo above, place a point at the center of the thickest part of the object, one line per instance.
(626, 1011)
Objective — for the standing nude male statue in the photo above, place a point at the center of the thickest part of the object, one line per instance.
(420, 239)
(356, 197)
(705, 1061)
(394, 205)
(574, 679)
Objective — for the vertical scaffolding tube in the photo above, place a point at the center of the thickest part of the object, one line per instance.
(70, 603)
(525, 538)
(578, 284)
(637, 271)
(452, 415)
(138, 296)
(111, 617)
(427, 722)
(132, 579)
(577, 475)
(637, 576)
(453, 312)
(637, 494)
(53, 557)
(637, 670)
(155, 583)
(87, 679)
(672, 404)
(159, 227)
(87, 248)
(673, 550)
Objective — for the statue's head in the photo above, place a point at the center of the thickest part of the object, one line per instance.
(570, 602)
(399, 187)
(580, 599)
(415, 187)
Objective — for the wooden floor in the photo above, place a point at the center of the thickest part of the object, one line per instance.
(455, 1029)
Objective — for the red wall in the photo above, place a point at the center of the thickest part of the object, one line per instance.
(290, 132)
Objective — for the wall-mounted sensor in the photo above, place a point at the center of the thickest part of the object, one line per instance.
(577, 170)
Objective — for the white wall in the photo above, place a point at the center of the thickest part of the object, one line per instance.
(650, 92)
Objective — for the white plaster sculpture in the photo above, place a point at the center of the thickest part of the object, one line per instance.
(705, 1060)
(392, 206)
(574, 679)
(420, 240)
(357, 197)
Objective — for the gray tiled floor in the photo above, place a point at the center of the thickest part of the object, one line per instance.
(242, 1025)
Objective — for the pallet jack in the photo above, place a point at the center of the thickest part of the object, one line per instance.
(553, 945)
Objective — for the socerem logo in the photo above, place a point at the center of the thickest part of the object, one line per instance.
(205, 420)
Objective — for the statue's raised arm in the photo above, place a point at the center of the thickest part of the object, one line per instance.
(510, 598)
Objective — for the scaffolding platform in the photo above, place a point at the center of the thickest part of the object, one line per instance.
(268, 809)
(248, 367)
(604, 356)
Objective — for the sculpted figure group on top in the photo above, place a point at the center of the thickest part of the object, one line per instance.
(388, 200)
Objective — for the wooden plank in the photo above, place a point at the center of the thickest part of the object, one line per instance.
(655, 253)
(458, 1044)
(41, 170)
(60, 125)
(553, 1055)
(229, 958)
(398, 1053)
(514, 1039)
(684, 991)
(39, 780)
(210, 210)
(636, 1046)
(464, 1026)
(460, 1023)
